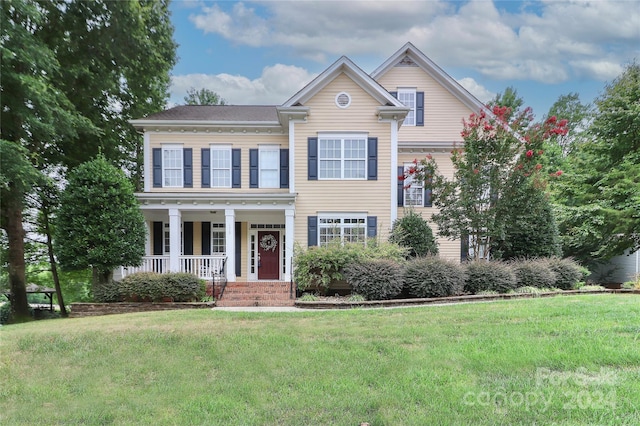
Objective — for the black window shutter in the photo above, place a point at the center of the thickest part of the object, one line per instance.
(400, 186)
(187, 228)
(312, 159)
(206, 167)
(206, 238)
(158, 238)
(372, 159)
(236, 164)
(372, 226)
(238, 265)
(419, 108)
(187, 154)
(284, 168)
(253, 168)
(157, 167)
(312, 231)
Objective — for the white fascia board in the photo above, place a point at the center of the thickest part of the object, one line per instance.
(434, 71)
(343, 65)
(215, 201)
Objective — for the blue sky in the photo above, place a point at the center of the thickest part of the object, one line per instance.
(263, 52)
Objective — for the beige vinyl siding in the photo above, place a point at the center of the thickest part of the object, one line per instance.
(447, 248)
(370, 197)
(443, 112)
(204, 140)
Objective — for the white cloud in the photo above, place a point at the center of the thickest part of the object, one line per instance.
(482, 93)
(276, 84)
(547, 41)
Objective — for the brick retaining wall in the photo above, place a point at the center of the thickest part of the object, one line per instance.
(95, 309)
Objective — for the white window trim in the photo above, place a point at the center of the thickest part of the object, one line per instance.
(264, 148)
(342, 137)
(227, 148)
(413, 186)
(412, 113)
(342, 225)
(173, 147)
(218, 228)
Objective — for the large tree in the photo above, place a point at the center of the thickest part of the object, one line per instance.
(203, 96)
(99, 223)
(600, 198)
(73, 73)
(116, 57)
(500, 150)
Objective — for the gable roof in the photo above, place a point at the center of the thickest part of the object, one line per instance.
(217, 113)
(346, 66)
(433, 70)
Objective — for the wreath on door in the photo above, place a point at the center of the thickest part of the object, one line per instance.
(268, 242)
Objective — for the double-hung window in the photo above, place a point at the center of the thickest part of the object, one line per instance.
(413, 190)
(408, 98)
(218, 245)
(342, 157)
(269, 160)
(220, 166)
(172, 166)
(347, 229)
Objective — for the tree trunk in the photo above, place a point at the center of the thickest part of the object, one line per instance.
(15, 255)
(52, 259)
(100, 278)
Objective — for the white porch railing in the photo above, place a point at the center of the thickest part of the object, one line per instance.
(205, 267)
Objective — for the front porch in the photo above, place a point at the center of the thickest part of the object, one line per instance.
(208, 268)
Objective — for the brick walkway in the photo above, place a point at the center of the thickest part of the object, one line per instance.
(260, 293)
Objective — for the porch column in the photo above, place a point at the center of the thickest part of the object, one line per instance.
(230, 243)
(174, 240)
(289, 238)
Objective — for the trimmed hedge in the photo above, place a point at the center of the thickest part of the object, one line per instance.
(534, 273)
(152, 287)
(376, 279)
(489, 276)
(434, 277)
(568, 273)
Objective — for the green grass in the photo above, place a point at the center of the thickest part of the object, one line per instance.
(569, 360)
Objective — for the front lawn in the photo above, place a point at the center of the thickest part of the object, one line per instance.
(568, 360)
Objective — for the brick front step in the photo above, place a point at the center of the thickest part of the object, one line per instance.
(256, 294)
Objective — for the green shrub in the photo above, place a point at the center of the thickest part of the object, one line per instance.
(414, 233)
(534, 273)
(568, 272)
(142, 287)
(528, 290)
(434, 277)
(5, 313)
(375, 279)
(108, 292)
(308, 297)
(495, 276)
(182, 287)
(319, 267)
(356, 298)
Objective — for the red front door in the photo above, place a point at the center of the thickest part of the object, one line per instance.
(268, 255)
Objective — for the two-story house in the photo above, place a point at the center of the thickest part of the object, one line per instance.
(243, 183)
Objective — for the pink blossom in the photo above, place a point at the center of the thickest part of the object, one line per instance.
(559, 173)
(530, 153)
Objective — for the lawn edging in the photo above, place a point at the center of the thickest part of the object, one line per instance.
(94, 309)
(342, 304)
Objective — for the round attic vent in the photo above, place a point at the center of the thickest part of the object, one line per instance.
(343, 100)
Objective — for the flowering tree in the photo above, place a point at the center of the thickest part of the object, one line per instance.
(502, 149)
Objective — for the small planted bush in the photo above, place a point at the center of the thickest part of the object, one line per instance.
(434, 277)
(319, 267)
(414, 233)
(534, 273)
(495, 276)
(375, 279)
(153, 287)
(568, 273)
